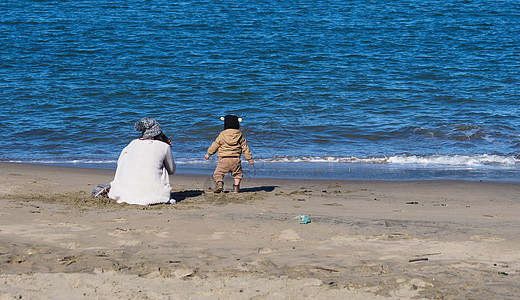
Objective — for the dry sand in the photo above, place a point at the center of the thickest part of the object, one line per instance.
(366, 240)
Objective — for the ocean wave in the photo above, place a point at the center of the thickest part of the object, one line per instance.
(476, 160)
(64, 162)
(430, 160)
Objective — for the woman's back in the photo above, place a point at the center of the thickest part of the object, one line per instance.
(142, 175)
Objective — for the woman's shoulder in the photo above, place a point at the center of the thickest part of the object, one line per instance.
(149, 143)
(159, 145)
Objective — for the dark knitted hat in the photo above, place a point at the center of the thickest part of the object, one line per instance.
(231, 122)
(149, 127)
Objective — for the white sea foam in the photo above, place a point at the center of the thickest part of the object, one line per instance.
(431, 160)
(482, 160)
(456, 160)
(64, 162)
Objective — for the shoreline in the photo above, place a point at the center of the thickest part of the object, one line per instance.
(367, 239)
(332, 171)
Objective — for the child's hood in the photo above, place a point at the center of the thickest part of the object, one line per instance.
(231, 136)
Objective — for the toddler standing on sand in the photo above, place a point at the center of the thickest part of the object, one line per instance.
(229, 146)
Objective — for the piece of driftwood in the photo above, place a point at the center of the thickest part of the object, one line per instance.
(326, 269)
(418, 259)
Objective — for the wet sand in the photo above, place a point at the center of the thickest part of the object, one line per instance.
(366, 239)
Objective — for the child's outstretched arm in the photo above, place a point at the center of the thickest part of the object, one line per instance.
(246, 152)
(213, 148)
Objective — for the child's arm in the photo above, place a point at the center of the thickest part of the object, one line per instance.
(213, 148)
(246, 152)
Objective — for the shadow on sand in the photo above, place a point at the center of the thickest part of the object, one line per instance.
(268, 188)
(183, 195)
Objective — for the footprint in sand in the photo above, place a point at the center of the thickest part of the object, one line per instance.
(289, 235)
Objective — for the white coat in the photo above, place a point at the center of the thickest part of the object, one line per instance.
(142, 174)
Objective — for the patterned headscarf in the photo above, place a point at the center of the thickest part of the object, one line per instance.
(149, 127)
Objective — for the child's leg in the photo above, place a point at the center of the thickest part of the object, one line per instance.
(236, 186)
(237, 175)
(218, 176)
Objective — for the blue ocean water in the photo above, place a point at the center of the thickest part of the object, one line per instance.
(355, 89)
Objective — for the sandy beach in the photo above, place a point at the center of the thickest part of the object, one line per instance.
(366, 239)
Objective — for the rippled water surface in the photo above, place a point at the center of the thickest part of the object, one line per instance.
(382, 82)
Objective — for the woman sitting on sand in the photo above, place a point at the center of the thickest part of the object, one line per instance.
(143, 168)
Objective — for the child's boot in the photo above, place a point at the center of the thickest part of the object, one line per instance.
(236, 188)
(220, 187)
